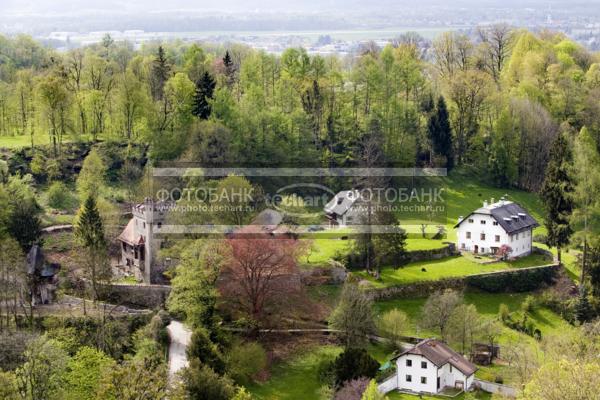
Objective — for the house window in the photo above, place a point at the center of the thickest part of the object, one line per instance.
(468, 235)
(482, 236)
(482, 222)
(470, 220)
(144, 225)
(409, 363)
(495, 223)
(450, 367)
(483, 249)
(462, 246)
(424, 364)
(497, 238)
(408, 378)
(512, 237)
(159, 225)
(424, 380)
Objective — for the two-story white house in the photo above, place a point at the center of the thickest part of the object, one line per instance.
(431, 366)
(497, 224)
(344, 209)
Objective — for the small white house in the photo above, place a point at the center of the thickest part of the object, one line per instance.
(431, 366)
(344, 209)
(497, 224)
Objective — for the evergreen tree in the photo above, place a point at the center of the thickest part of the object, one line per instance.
(583, 308)
(205, 88)
(229, 68)
(557, 195)
(25, 225)
(159, 74)
(440, 133)
(90, 233)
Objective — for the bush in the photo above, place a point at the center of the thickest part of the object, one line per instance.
(203, 349)
(354, 363)
(59, 196)
(245, 360)
(499, 379)
(202, 383)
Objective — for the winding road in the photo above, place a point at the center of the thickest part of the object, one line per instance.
(180, 337)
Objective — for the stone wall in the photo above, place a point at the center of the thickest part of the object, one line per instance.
(146, 296)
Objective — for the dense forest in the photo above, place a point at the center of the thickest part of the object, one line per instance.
(494, 103)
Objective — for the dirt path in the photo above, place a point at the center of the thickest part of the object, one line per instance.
(180, 337)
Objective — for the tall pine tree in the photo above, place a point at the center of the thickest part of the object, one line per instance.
(159, 74)
(90, 233)
(557, 195)
(229, 68)
(440, 133)
(205, 88)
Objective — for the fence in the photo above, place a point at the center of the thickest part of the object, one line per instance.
(496, 388)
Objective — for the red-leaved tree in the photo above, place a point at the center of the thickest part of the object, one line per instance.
(261, 273)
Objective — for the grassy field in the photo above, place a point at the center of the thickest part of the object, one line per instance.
(403, 396)
(446, 268)
(487, 305)
(296, 378)
(324, 249)
(463, 194)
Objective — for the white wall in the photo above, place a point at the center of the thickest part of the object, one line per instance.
(431, 373)
(449, 375)
(520, 243)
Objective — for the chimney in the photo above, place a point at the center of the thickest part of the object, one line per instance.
(492, 200)
(485, 203)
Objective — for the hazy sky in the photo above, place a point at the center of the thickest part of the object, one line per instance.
(127, 6)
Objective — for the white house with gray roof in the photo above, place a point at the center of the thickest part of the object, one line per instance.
(431, 366)
(344, 209)
(487, 229)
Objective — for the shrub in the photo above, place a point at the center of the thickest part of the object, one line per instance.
(203, 349)
(202, 383)
(59, 196)
(245, 360)
(499, 379)
(354, 363)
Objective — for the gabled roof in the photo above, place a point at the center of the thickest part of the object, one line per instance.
(342, 202)
(128, 235)
(439, 354)
(510, 216)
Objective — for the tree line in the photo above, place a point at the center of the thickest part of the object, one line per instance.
(494, 102)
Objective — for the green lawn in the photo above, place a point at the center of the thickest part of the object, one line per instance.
(487, 305)
(403, 396)
(322, 249)
(17, 142)
(296, 378)
(446, 268)
(463, 194)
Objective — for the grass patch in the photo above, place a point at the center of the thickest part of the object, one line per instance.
(403, 396)
(446, 268)
(296, 378)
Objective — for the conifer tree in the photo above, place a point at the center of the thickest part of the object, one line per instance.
(229, 68)
(90, 233)
(204, 92)
(159, 74)
(440, 133)
(557, 195)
